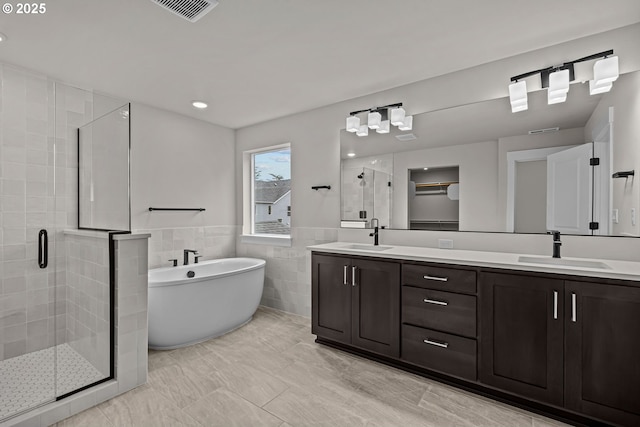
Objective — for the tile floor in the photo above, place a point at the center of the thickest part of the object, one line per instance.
(271, 373)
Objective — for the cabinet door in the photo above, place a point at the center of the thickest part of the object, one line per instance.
(331, 297)
(603, 351)
(376, 306)
(522, 335)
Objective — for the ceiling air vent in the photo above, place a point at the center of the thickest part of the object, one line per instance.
(537, 131)
(406, 137)
(191, 10)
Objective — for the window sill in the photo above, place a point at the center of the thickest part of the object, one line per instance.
(266, 239)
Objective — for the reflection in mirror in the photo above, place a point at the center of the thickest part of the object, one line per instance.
(366, 191)
(519, 172)
(438, 211)
(103, 172)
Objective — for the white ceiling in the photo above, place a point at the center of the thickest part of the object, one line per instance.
(256, 60)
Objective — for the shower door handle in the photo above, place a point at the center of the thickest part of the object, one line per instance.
(43, 249)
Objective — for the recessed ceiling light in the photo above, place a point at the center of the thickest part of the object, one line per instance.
(3, 37)
(351, 154)
(199, 105)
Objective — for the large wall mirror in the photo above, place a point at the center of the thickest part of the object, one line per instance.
(497, 171)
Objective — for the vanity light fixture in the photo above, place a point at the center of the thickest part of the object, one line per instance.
(407, 124)
(397, 116)
(557, 80)
(384, 127)
(363, 130)
(200, 105)
(380, 119)
(353, 124)
(518, 96)
(595, 89)
(605, 72)
(558, 86)
(373, 120)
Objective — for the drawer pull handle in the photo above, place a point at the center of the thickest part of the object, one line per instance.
(433, 301)
(436, 278)
(436, 343)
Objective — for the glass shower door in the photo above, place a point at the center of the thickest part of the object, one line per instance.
(28, 297)
(55, 309)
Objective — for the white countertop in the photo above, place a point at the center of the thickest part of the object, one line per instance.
(624, 270)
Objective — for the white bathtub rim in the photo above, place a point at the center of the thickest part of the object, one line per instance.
(199, 340)
(260, 263)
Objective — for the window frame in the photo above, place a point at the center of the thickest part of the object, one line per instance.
(249, 212)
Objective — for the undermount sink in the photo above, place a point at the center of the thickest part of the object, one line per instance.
(563, 262)
(368, 247)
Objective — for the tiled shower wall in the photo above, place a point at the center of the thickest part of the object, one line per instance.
(87, 319)
(287, 283)
(35, 114)
(210, 242)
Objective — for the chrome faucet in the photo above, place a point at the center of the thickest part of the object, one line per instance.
(375, 231)
(186, 255)
(556, 243)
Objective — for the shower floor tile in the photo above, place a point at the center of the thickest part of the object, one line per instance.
(27, 381)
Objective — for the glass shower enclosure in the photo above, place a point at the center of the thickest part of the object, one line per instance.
(55, 292)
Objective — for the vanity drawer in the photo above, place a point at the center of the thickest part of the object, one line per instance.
(444, 278)
(444, 311)
(439, 351)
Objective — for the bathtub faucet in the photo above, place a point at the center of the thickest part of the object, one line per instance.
(186, 255)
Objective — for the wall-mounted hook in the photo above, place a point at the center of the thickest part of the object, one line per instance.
(624, 174)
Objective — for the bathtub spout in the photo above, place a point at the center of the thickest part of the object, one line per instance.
(186, 255)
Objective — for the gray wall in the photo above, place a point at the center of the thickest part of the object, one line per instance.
(530, 210)
(316, 155)
(181, 162)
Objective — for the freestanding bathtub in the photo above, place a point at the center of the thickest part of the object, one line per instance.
(222, 295)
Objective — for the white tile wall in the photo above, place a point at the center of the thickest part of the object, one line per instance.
(131, 312)
(287, 284)
(210, 242)
(87, 296)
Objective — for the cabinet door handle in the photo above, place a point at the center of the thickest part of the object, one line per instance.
(574, 307)
(436, 278)
(344, 276)
(353, 275)
(433, 301)
(436, 343)
(555, 304)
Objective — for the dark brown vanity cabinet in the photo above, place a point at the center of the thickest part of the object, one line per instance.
(522, 330)
(356, 301)
(564, 344)
(439, 319)
(573, 344)
(602, 351)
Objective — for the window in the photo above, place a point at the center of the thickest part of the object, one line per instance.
(269, 206)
